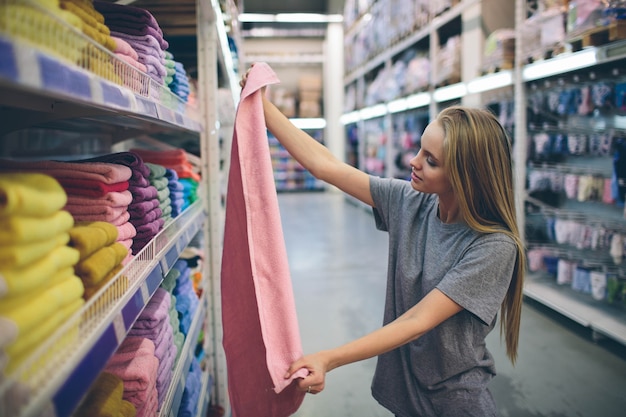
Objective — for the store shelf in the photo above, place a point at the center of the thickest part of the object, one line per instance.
(74, 96)
(172, 400)
(86, 342)
(607, 321)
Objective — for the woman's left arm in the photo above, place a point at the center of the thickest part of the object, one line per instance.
(432, 310)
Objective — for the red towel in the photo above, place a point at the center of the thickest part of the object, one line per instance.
(261, 336)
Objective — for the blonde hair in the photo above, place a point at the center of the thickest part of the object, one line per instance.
(478, 161)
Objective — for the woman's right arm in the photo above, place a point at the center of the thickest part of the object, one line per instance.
(315, 157)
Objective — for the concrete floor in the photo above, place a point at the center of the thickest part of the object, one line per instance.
(338, 265)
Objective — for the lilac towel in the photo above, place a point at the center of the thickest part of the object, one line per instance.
(261, 336)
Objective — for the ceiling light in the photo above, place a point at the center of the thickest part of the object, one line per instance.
(290, 18)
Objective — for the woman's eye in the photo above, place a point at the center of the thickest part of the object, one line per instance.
(430, 161)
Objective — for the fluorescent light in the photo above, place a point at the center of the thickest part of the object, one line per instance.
(309, 123)
(559, 65)
(490, 82)
(349, 118)
(372, 112)
(450, 92)
(417, 100)
(396, 106)
(290, 18)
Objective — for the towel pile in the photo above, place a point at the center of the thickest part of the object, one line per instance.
(154, 323)
(92, 21)
(168, 284)
(144, 211)
(132, 78)
(161, 183)
(176, 159)
(24, 21)
(186, 298)
(180, 82)
(136, 365)
(96, 190)
(140, 29)
(177, 192)
(101, 256)
(193, 385)
(38, 288)
(106, 399)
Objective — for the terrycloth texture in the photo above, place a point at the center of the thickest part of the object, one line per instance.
(135, 363)
(97, 265)
(21, 229)
(22, 319)
(26, 344)
(89, 237)
(90, 188)
(30, 194)
(104, 398)
(18, 281)
(18, 256)
(112, 199)
(261, 335)
(120, 285)
(127, 409)
(106, 173)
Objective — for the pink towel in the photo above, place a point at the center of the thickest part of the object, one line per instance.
(123, 48)
(95, 171)
(112, 199)
(261, 336)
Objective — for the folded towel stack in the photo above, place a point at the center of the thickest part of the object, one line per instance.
(24, 21)
(186, 298)
(144, 212)
(38, 288)
(161, 183)
(168, 284)
(92, 21)
(132, 78)
(101, 256)
(176, 160)
(105, 399)
(177, 192)
(140, 29)
(154, 324)
(169, 68)
(134, 362)
(180, 82)
(193, 385)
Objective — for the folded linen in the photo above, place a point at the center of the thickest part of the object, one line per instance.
(124, 48)
(126, 231)
(127, 409)
(88, 237)
(104, 213)
(15, 301)
(17, 281)
(120, 286)
(155, 311)
(113, 11)
(97, 265)
(20, 255)
(112, 199)
(20, 229)
(104, 398)
(139, 209)
(22, 319)
(107, 173)
(143, 193)
(128, 159)
(27, 343)
(30, 194)
(90, 188)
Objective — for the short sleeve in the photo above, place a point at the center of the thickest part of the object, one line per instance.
(479, 281)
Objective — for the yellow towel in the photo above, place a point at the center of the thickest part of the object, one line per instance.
(127, 409)
(104, 398)
(89, 237)
(17, 281)
(15, 256)
(118, 288)
(11, 302)
(30, 194)
(26, 344)
(25, 317)
(22, 229)
(93, 269)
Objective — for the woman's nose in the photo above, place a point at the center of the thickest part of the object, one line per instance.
(415, 161)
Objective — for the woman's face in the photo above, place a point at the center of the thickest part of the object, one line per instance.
(428, 174)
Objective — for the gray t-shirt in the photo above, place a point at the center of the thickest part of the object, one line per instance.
(446, 371)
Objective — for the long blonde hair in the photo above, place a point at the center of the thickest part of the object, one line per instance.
(478, 160)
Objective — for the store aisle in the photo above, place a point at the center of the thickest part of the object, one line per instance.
(338, 265)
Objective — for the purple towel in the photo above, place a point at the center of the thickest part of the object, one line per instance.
(139, 209)
(142, 193)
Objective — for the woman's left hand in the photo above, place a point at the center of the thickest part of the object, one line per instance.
(316, 364)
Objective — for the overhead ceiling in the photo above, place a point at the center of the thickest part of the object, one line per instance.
(178, 21)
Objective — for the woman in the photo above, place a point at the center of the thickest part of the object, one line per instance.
(455, 259)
